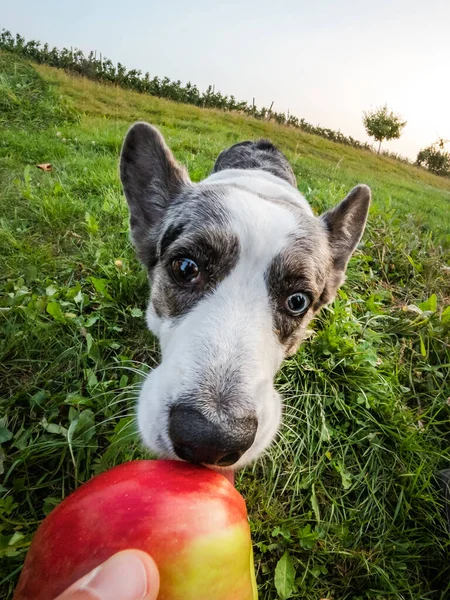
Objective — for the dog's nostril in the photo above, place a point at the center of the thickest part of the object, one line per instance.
(184, 452)
(229, 459)
(207, 456)
(198, 440)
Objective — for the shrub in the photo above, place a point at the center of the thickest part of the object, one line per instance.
(435, 158)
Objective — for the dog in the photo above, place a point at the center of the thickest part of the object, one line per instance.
(238, 266)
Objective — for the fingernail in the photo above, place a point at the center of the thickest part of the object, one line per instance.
(122, 576)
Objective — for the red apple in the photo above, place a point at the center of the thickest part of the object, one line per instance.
(191, 520)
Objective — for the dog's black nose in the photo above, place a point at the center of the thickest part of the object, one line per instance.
(198, 440)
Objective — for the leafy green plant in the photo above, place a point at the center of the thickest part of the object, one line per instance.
(383, 124)
(435, 158)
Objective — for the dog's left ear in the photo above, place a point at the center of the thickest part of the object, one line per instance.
(151, 179)
(345, 224)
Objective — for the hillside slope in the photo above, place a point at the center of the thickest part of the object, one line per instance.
(203, 133)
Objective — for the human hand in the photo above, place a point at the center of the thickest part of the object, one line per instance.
(127, 575)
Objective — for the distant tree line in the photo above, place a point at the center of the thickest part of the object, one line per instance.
(100, 68)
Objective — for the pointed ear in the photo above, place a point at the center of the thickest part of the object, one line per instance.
(345, 224)
(151, 179)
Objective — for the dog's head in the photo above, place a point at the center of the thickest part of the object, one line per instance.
(238, 265)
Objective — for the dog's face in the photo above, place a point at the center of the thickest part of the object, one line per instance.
(238, 265)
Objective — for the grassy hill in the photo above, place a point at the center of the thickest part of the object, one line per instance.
(348, 490)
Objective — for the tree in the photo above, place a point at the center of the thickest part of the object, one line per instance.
(383, 124)
(435, 158)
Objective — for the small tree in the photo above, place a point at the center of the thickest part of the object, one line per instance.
(383, 124)
(435, 158)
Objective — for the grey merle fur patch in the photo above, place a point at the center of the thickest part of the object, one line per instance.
(261, 155)
(300, 268)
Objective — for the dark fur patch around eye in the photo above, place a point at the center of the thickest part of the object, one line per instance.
(294, 270)
(334, 281)
(171, 234)
(216, 252)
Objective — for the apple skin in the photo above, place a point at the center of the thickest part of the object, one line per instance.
(191, 520)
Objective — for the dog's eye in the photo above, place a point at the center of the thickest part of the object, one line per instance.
(297, 303)
(185, 271)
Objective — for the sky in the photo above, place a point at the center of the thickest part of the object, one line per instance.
(324, 60)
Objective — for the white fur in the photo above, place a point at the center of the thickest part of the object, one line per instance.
(233, 327)
(260, 182)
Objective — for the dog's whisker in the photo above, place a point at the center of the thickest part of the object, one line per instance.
(131, 400)
(285, 427)
(119, 415)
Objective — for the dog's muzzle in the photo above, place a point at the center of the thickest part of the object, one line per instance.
(197, 439)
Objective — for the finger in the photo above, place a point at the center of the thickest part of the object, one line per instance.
(128, 575)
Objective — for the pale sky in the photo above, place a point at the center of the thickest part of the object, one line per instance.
(325, 60)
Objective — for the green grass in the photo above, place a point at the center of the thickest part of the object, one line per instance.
(348, 490)
(26, 99)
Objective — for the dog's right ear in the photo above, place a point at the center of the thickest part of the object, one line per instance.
(151, 179)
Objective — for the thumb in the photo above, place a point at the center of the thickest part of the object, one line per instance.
(127, 575)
